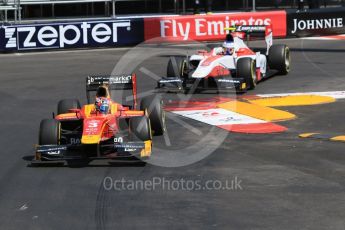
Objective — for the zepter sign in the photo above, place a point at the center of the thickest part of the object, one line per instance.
(72, 34)
(210, 27)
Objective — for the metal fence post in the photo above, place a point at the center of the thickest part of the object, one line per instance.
(254, 5)
(53, 10)
(19, 12)
(184, 6)
(15, 11)
(175, 6)
(114, 8)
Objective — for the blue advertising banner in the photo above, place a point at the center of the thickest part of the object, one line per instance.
(63, 35)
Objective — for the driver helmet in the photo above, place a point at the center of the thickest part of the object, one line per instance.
(228, 47)
(102, 105)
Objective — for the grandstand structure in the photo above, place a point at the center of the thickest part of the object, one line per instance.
(6, 7)
(48, 8)
(18, 10)
(59, 9)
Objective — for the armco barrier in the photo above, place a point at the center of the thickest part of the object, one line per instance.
(108, 33)
(316, 22)
(210, 27)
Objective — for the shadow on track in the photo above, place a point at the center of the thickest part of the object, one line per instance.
(317, 50)
(84, 163)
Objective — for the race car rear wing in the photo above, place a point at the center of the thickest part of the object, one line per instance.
(259, 31)
(256, 31)
(112, 82)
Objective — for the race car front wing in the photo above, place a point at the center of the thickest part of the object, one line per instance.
(138, 149)
(219, 83)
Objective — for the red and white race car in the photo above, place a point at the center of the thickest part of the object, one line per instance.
(232, 65)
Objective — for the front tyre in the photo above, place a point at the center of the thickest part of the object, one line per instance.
(245, 68)
(279, 59)
(140, 128)
(177, 67)
(49, 134)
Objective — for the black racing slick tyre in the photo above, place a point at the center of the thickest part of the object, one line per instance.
(49, 133)
(140, 128)
(176, 67)
(245, 68)
(154, 107)
(67, 104)
(279, 59)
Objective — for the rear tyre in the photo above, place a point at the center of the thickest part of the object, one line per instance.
(154, 106)
(279, 59)
(67, 104)
(140, 128)
(49, 133)
(246, 69)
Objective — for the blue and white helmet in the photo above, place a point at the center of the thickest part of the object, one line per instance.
(229, 47)
(102, 104)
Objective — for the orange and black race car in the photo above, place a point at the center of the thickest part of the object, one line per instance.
(103, 129)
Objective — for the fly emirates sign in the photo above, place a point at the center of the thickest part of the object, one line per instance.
(210, 27)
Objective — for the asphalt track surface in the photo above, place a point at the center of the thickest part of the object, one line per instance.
(287, 182)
